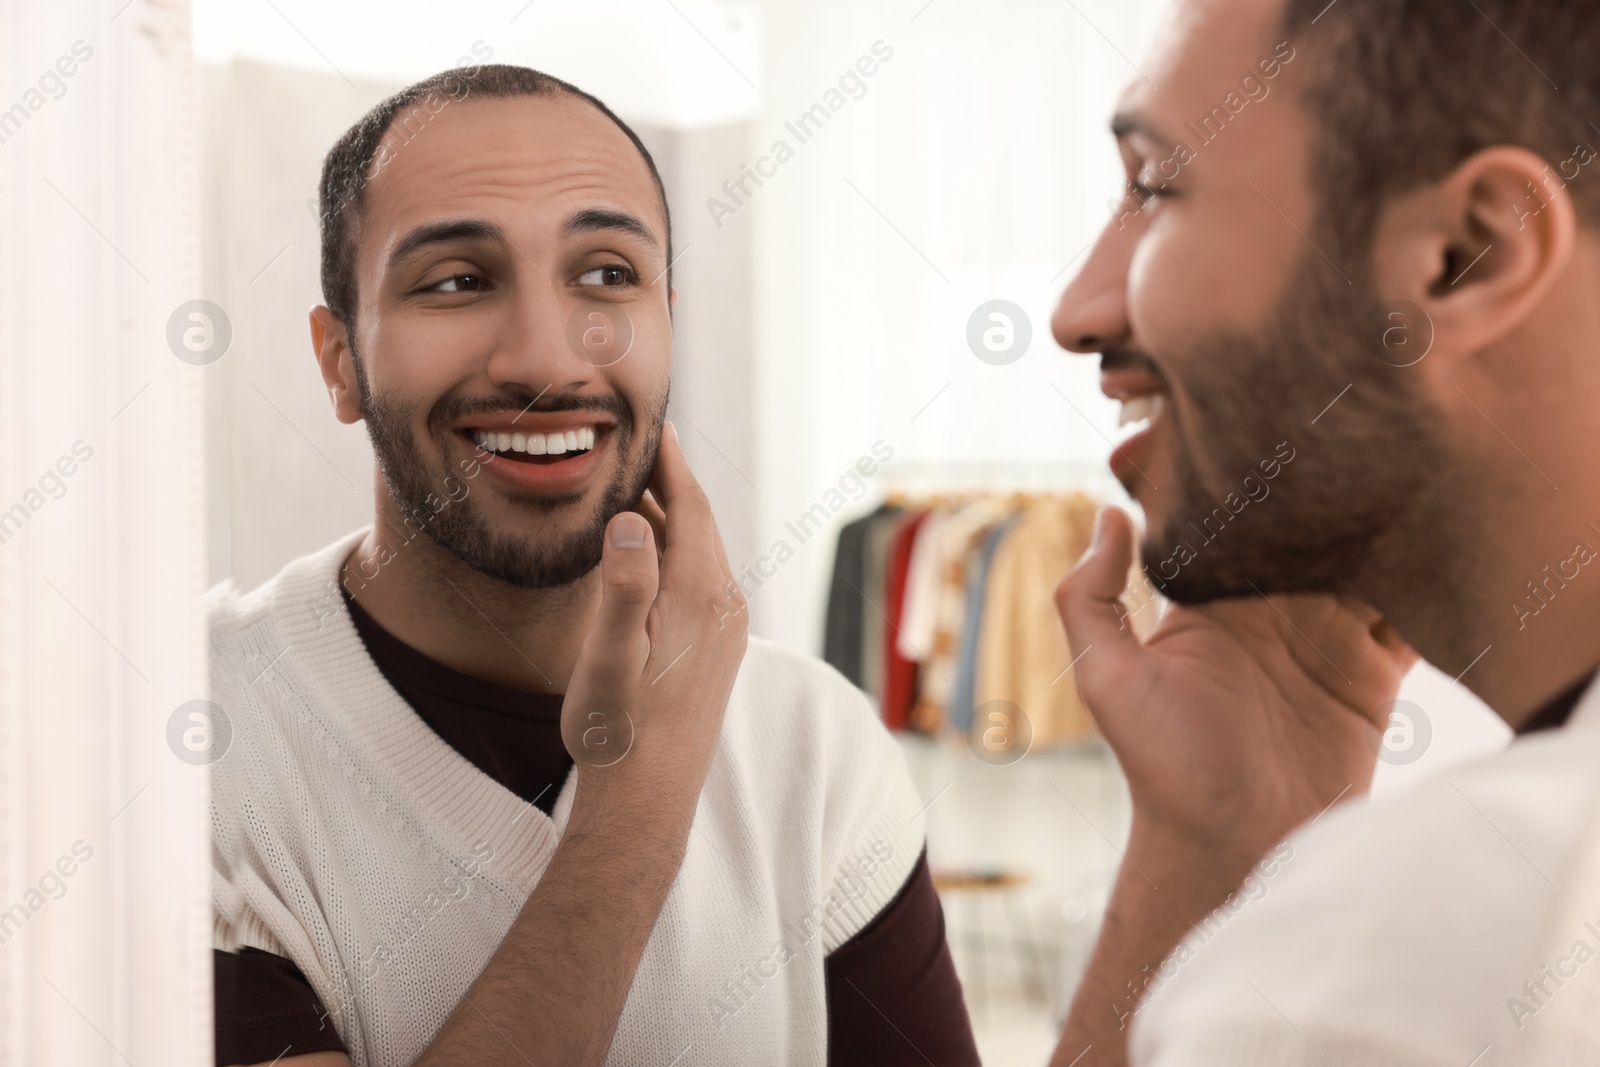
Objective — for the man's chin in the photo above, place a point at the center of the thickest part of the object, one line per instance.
(1183, 572)
(535, 552)
(525, 566)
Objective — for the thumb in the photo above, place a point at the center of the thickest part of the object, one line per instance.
(1089, 598)
(618, 645)
(595, 725)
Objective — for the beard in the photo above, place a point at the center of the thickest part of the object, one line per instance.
(541, 551)
(1366, 479)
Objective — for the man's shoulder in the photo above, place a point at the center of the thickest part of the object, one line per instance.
(1413, 911)
(783, 691)
(773, 666)
(307, 582)
(1534, 798)
(804, 753)
(793, 718)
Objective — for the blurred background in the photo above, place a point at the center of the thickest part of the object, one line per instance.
(837, 311)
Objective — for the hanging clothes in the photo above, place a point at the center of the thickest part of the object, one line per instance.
(1023, 652)
(875, 549)
(922, 583)
(847, 605)
(936, 608)
(959, 713)
(939, 604)
(899, 677)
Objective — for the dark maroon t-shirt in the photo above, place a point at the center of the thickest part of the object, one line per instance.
(892, 992)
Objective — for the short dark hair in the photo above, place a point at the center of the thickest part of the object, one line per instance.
(350, 165)
(1402, 91)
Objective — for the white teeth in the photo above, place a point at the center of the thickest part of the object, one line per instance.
(1141, 408)
(536, 444)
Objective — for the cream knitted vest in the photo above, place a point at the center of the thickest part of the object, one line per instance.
(350, 838)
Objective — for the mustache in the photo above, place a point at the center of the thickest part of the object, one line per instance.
(453, 410)
(1115, 359)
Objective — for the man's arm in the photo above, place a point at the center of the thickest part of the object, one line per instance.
(1235, 722)
(893, 995)
(641, 716)
(1162, 890)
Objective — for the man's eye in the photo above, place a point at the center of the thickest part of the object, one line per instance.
(1145, 191)
(611, 275)
(459, 283)
(1146, 188)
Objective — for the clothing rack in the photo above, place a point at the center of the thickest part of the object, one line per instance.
(941, 601)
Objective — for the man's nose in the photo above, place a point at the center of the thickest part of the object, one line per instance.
(537, 347)
(1092, 314)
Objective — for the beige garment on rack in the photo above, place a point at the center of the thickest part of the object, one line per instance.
(1022, 648)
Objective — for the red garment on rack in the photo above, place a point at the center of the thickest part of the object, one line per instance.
(899, 674)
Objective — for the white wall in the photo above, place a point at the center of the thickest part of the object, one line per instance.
(284, 476)
(683, 65)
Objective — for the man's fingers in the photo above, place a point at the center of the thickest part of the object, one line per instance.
(1388, 638)
(728, 582)
(1089, 600)
(689, 556)
(657, 518)
(648, 507)
(1336, 643)
(672, 482)
(618, 644)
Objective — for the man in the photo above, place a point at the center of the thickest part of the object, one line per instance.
(1352, 289)
(409, 868)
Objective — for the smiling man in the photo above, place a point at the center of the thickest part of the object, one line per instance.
(1359, 321)
(409, 865)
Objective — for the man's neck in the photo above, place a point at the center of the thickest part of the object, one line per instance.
(1514, 610)
(524, 639)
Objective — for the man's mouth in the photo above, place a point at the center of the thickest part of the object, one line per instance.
(1131, 458)
(1146, 409)
(1135, 384)
(519, 446)
(545, 454)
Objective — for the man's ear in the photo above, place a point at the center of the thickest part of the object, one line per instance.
(330, 342)
(672, 298)
(1480, 250)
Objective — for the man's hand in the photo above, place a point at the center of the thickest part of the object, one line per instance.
(642, 717)
(644, 708)
(1235, 722)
